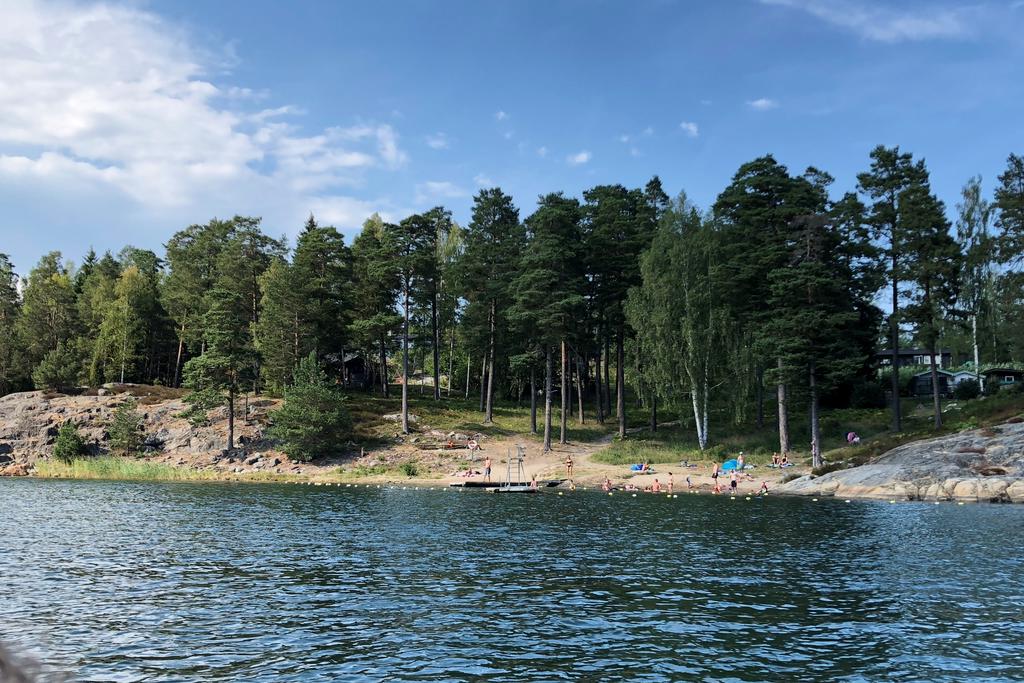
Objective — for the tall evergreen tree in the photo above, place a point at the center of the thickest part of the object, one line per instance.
(48, 310)
(374, 290)
(11, 375)
(493, 242)
(1009, 205)
(322, 274)
(413, 247)
(228, 359)
(282, 331)
(548, 290)
(892, 172)
(933, 266)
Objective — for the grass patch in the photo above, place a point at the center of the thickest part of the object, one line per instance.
(130, 469)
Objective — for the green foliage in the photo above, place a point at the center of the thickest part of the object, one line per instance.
(409, 468)
(11, 375)
(1009, 203)
(200, 403)
(69, 444)
(313, 422)
(867, 394)
(967, 389)
(126, 429)
(59, 369)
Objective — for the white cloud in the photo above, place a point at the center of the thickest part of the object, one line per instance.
(482, 180)
(578, 159)
(433, 190)
(762, 104)
(437, 141)
(500, 115)
(119, 101)
(624, 138)
(508, 134)
(689, 128)
(649, 130)
(634, 152)
(542, 152)
(888, 22)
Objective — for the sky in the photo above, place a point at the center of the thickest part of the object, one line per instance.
(122, 122)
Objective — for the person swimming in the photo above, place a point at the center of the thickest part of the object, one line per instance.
(656, 487)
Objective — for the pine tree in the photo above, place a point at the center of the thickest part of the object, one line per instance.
(493, 243)
(313, 421)
(321, 274)
(228, 360)
(125, 429)
(891, 173)
(374, 289)
(282, 332)
(69, 444)
(933, 266)
(413, 247)
(1009, 205)
(11, 374)
(48, 310)
(548, 291)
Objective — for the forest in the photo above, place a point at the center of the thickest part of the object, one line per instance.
(780, 293)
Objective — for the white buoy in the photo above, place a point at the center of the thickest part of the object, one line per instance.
(675, 495)
(634, 495)
(814, 500)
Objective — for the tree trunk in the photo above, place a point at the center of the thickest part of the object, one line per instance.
(451, 362)
(936, 401)
(405, 366)
(533, 399)
(607, 376)
(483, 382)
(231, 417)
(784, 445)
(548, 371)
(815, 426)
(620, 380)
(565, 397)
(977, 355)
(598, 389)
(177, 362)
(759, 396)
(384, 368)
(469, 364)
(489, 416)
(579, 388)
(436, 343)
(894, 333)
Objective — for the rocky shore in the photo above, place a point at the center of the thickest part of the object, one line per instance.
(981, 465)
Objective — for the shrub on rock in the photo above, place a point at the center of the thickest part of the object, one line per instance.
(313, 422)
(70, 444)
(126, 429)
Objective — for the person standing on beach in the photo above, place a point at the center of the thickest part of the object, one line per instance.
(487, 468)
(714, 479)
(671, 482)
(568, 467)
(732, 482)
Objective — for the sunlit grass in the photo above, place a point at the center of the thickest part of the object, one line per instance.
(129, 469)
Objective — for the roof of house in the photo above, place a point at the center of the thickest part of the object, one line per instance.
(1002, 371)
(915, 352)
(937, 371)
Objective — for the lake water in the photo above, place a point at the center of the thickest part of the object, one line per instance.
(187, 582)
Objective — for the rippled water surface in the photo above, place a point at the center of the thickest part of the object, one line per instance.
(140, 581)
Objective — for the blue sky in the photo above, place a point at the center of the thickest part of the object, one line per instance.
(123, 122)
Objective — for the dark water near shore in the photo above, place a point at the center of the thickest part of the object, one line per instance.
(161, 582)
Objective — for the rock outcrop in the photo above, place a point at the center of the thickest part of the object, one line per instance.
(29, 422)
(981, 465)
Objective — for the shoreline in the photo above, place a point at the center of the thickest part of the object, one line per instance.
(586, 484)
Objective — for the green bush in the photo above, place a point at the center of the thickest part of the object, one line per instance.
(70, 444)
(409, 468)
(967, 389)
(58, 369)
(199, 404)
(126, 429)
(313, 421)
